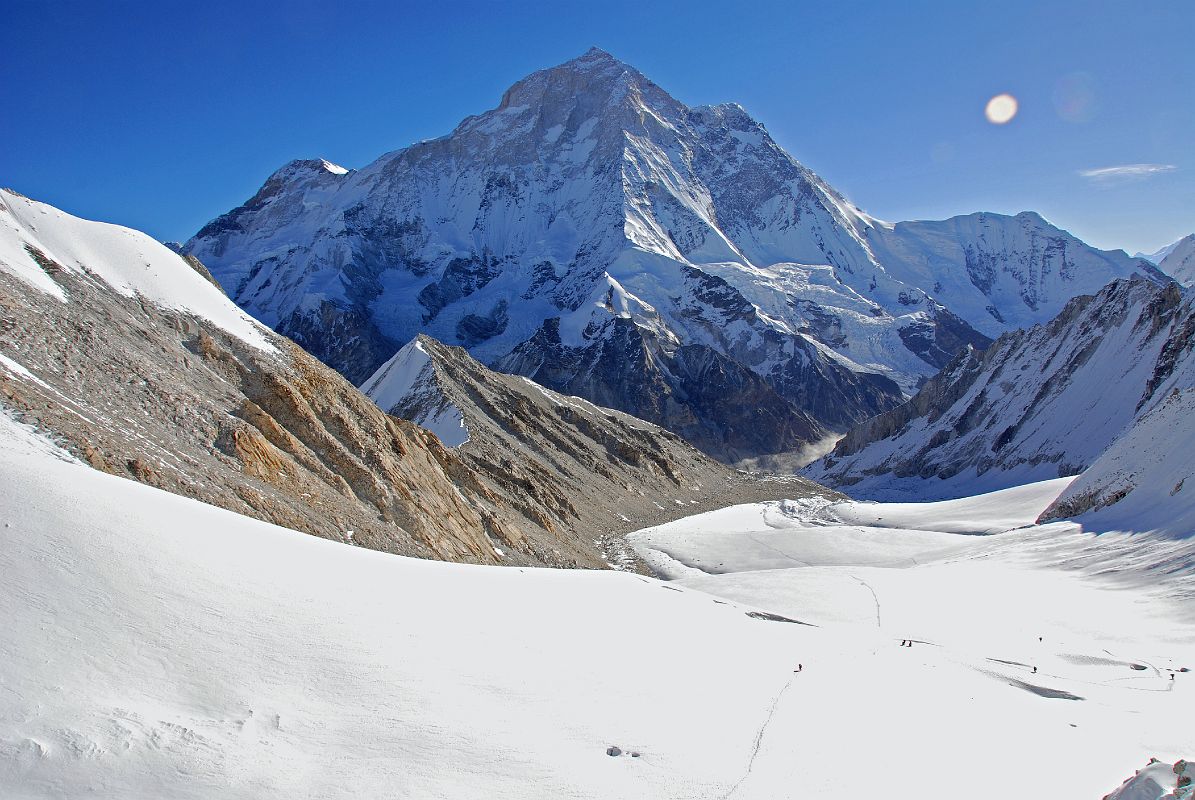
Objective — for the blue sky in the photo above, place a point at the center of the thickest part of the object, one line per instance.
(161, 116)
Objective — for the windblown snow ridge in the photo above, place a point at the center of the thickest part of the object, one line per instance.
(36, 240)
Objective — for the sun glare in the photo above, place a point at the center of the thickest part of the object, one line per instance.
(1001, 109)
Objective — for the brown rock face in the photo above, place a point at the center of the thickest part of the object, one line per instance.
(181, 405)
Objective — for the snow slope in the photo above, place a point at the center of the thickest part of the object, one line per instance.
(1139, 482)
(822, 532)
(1179, 262)
(128, 261)
(155, 647)
(1038, 404)
(994, 512)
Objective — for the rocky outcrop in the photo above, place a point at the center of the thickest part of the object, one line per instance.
(714, 402)
(941, 336)
(348, 339)
(1158, 781)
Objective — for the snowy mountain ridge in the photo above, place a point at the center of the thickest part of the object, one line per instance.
(1040, 403)
(37, 239)
(605, 465)
(1179, 261)
(592, 221)
(1158, 255)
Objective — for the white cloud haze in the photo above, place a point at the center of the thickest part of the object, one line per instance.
(1126, 172)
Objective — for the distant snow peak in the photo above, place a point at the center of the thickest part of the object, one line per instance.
(1156, 256)
(594, 56)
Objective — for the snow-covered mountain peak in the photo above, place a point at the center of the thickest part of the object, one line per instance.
(731, 113)
(590, 201)
(335, 169)
(594, 57)
(595, 63)
(595, 72)
(577, 113)
(306, 169)
(406, 385)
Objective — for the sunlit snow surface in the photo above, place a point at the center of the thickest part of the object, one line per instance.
(1113, 613)
(156, 647)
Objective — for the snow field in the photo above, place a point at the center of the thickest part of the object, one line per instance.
(157, 647)
(1093, 692)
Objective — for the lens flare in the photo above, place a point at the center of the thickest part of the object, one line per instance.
(1000, 109)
